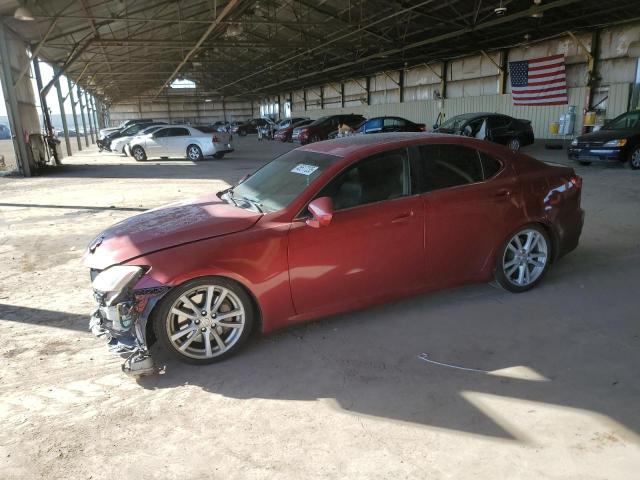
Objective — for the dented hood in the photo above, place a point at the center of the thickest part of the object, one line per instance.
(166, 227)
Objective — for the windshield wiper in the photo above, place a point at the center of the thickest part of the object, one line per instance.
(229, 194)
(237, 200)
(253, 202)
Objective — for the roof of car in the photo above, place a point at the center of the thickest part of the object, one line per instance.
(378, 142)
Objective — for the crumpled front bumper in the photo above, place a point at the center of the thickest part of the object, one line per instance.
(123, 326)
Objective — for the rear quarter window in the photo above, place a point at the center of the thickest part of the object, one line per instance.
(490, 165)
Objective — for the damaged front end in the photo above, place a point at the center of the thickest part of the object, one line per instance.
(125, 298)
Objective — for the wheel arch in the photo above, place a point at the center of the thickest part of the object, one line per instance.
(542, 223)
(242, 283)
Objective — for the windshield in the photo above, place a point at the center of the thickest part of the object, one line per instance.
(149, 130)
(133, 129)
(626, 120)
(278, 183)
(455, 123)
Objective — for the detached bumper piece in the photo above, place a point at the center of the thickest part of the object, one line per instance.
(123, 327)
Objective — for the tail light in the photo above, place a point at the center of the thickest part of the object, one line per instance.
(576, 180)
(215, 139)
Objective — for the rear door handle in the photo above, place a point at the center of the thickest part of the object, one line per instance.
(403, 217)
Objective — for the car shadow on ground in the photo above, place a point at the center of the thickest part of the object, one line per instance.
(156, 169)
(367, 363)
(44, 317)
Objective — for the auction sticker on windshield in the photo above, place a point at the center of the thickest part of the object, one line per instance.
(304, 169)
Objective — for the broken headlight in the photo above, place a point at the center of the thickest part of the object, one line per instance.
(114, 280)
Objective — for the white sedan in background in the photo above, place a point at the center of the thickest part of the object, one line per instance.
(180, 141)
(121, 144)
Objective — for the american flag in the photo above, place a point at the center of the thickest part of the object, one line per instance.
(539, 81)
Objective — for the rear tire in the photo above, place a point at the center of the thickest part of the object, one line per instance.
(634, 159)
(524, 259)
(194, 153)
(138, 153)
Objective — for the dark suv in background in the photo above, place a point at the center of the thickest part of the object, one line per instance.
(323, 127)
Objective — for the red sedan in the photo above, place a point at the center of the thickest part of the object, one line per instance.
(326, 228)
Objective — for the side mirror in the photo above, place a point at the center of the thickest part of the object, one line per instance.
(321, 210)
(435, 126)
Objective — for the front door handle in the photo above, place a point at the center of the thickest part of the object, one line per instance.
(503, 194)
(403, 217)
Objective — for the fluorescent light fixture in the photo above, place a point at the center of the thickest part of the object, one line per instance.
(23, 14)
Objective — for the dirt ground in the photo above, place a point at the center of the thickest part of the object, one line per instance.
(346, 397)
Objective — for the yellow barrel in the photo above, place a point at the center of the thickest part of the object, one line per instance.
(554, 128)
(590, 119)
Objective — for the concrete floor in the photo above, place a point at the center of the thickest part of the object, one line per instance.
(346, 397)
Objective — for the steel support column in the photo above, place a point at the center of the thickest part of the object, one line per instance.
(45, 108)
(224, 110)
(401, 85)
(342, 94)
(321, 98)
(63, 117)
(96, 121)
(504, 68)
(304, 97)
(84, 123)
(15, 120)
(86, 102)
(368, 89)
(443, 80)
(75, 116)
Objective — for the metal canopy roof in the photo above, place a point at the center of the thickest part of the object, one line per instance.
(118, 49)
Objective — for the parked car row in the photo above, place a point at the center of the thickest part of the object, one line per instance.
(146, 138)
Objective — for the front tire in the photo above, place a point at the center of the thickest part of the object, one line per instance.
(194, 153)
(634, 159)
(524, 259)
(205, 320)
(139, 153)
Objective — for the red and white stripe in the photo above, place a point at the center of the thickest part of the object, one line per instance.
(547, 83)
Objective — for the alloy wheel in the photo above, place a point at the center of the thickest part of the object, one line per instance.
(525, 257)
(205, 321)
(514, 144)
(194, 153)
(634, 160)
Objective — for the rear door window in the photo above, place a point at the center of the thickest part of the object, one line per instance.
(178, 132)
(443, 166)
